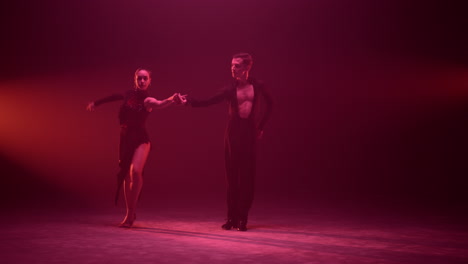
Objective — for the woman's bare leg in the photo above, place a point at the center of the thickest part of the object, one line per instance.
(134, 182)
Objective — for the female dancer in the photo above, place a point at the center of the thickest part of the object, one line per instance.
(134, 140)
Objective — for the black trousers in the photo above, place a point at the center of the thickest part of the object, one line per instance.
(240, 167)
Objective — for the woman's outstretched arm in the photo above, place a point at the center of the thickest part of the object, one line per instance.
(115, 97)
(151, 102)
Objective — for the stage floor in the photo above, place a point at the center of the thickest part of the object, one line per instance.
(192, 234)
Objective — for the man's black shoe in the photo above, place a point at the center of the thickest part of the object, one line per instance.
(230, 224)
(242, 226)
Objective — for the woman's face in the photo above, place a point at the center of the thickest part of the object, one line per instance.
(142, 79)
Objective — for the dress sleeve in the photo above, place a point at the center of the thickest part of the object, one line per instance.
(111, 98)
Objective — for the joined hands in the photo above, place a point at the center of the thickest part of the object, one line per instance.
(179, 98)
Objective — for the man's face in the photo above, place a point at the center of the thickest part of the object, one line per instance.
(238, 69)
(142, 80)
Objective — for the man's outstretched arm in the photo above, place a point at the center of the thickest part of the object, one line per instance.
(217, 98)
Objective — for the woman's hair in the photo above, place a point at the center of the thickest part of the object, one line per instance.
(246, 58)
(142, 69)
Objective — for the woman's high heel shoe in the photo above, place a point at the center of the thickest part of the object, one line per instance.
(128, 223)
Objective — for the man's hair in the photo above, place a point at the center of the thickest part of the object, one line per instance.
(246, 58)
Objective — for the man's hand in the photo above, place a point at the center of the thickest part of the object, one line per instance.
(90, 107)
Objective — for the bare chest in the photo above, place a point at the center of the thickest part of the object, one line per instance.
(245, 94)
(245, 97)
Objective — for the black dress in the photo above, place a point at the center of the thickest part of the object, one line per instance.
(132, 116)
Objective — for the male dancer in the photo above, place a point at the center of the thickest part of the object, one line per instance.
(245, 96)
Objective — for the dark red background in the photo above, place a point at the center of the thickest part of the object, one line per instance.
(370, 98)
